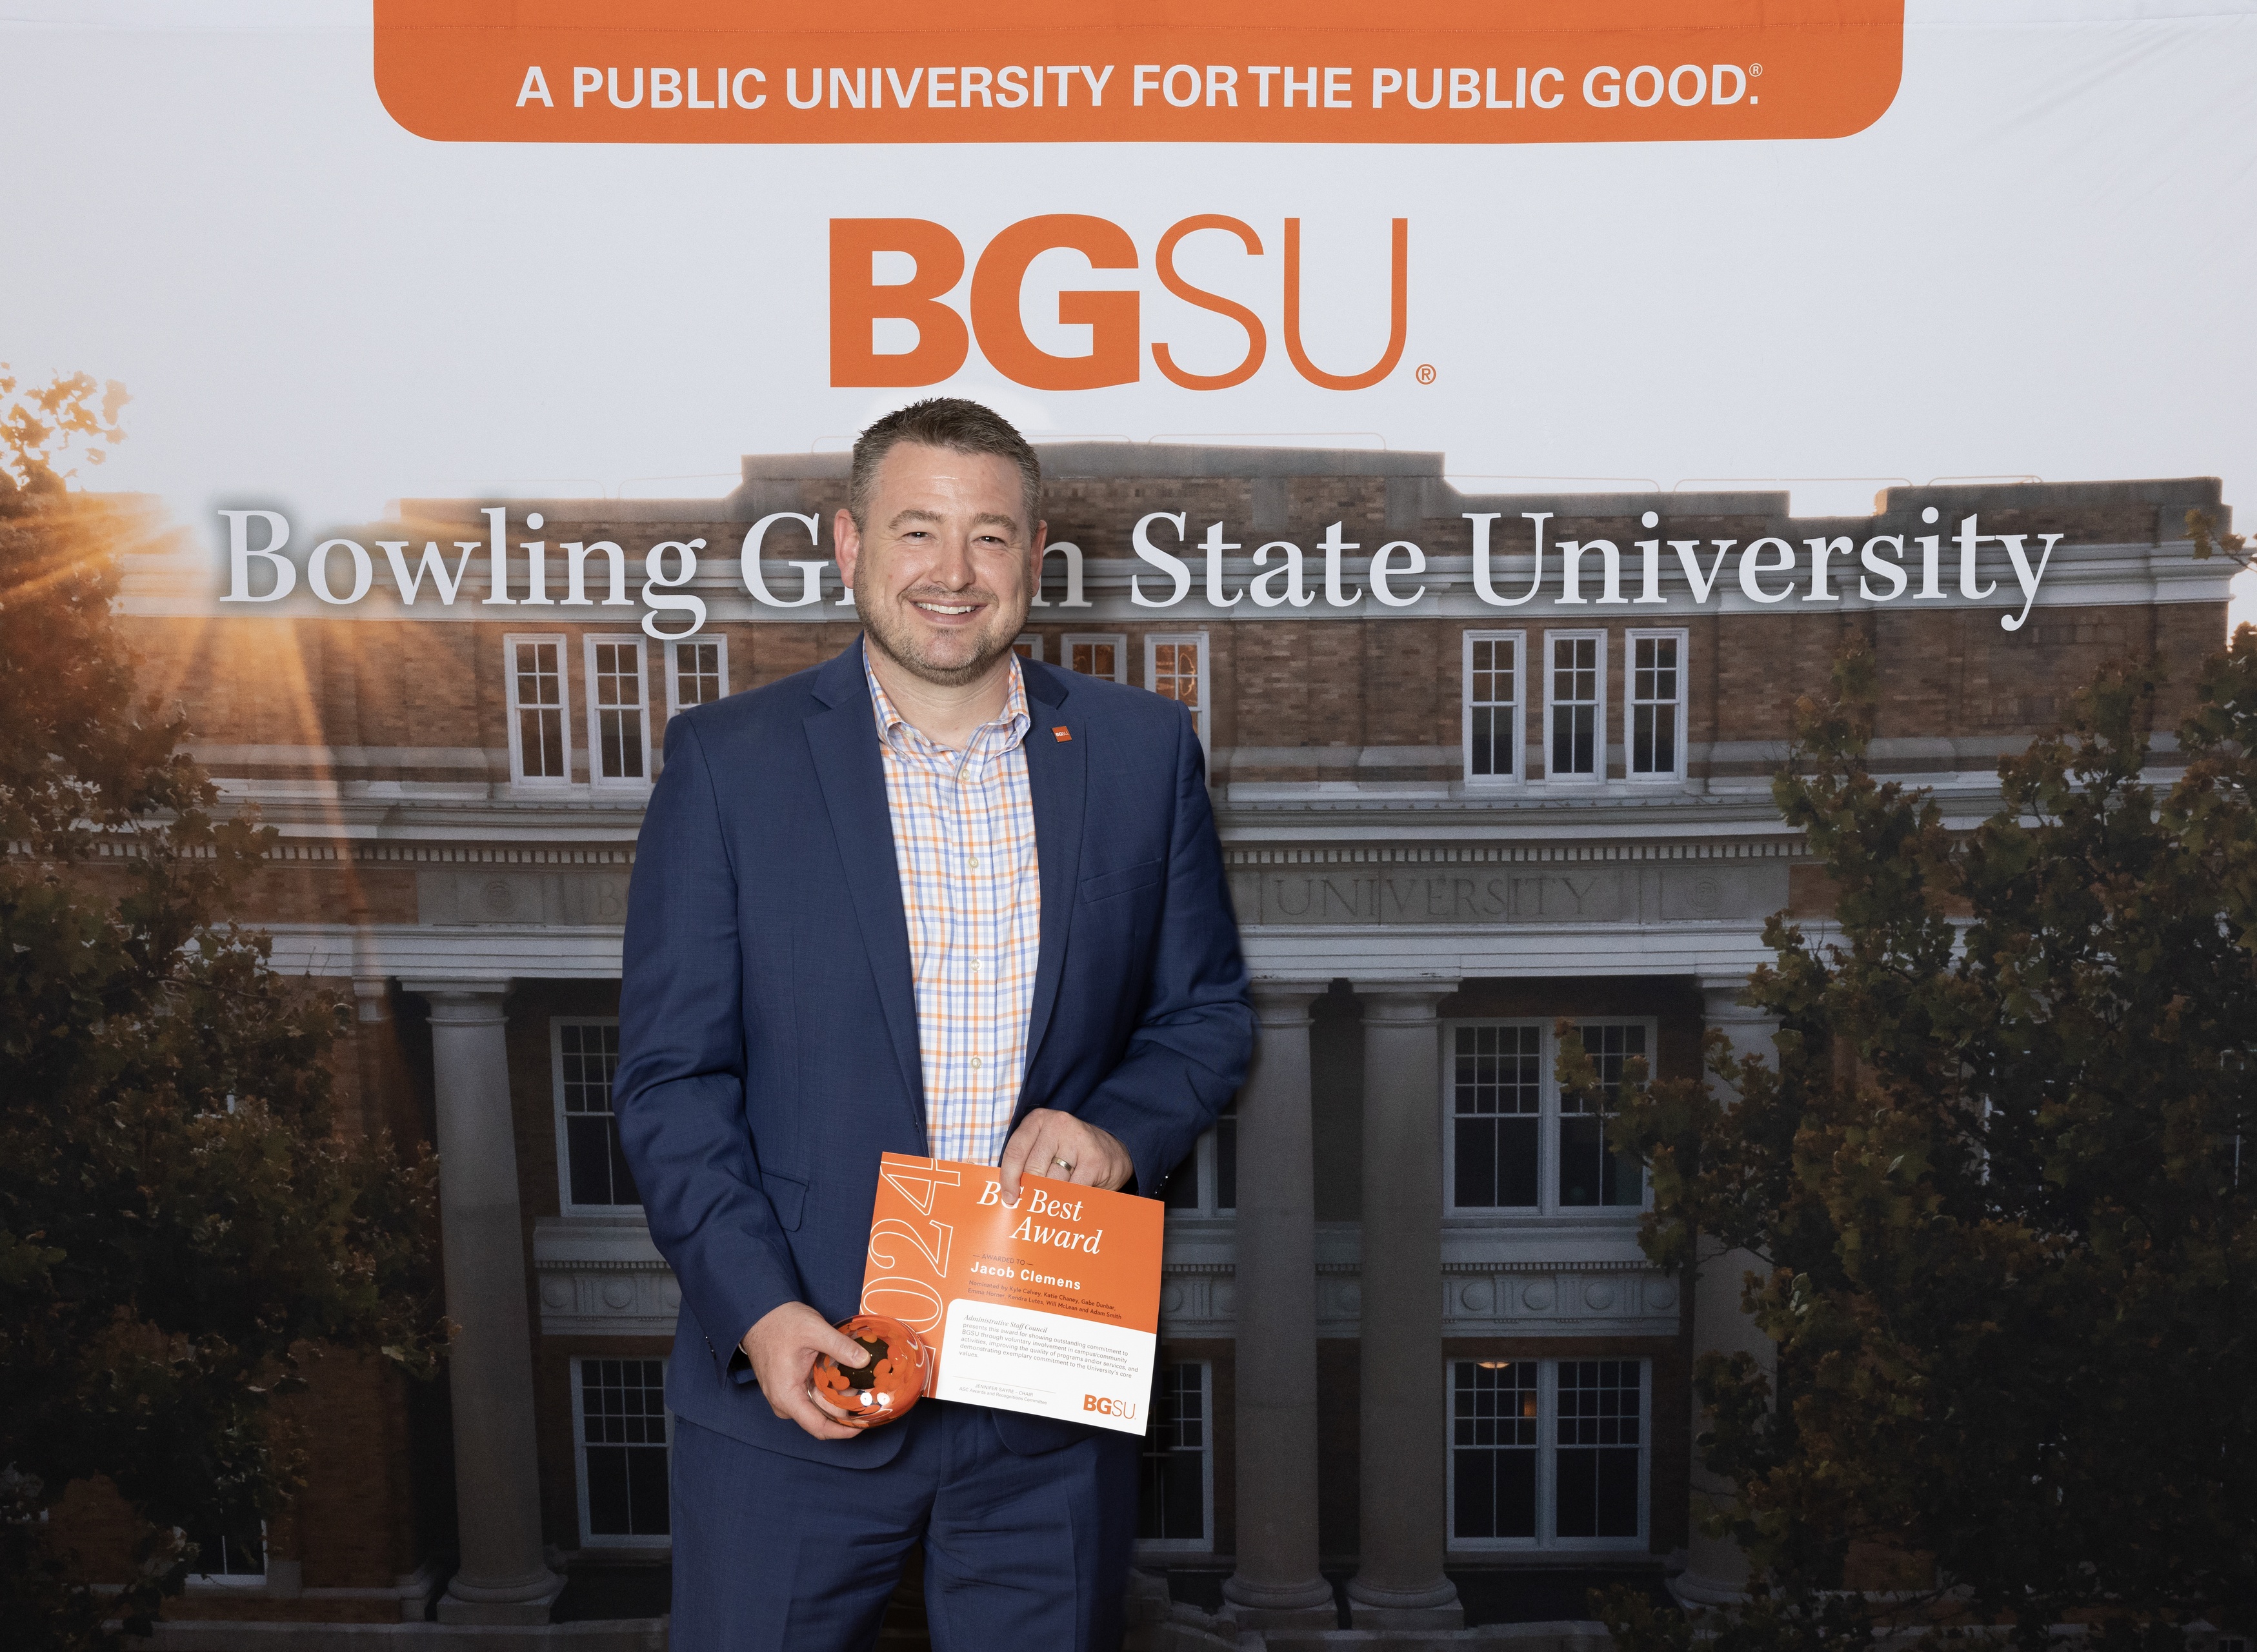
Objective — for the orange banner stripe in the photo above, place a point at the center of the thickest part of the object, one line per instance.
(1421, 71)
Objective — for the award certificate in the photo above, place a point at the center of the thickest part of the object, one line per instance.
(1051, 1306)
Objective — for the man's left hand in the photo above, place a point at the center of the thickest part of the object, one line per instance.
(1060, 1146)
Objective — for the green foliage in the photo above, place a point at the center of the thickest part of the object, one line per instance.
(1997, 1180)
(1768, 1623)
(181, 1228)
(2209, 542)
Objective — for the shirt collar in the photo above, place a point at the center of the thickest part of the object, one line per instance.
(1006, 729)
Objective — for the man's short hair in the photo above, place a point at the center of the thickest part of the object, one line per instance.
(943, 421)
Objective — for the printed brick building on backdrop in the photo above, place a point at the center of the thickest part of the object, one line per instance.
(1447, 822)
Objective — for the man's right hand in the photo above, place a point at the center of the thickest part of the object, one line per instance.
(783, 1348)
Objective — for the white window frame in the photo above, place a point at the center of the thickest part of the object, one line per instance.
(1598, 777)
(509, 647)
(1158, 1546)
(1032, 642)
(564, 1203)
(674, 707)
(1630, 639)
(1205, 1166)
(1547, 1470)
(1547, 1206)
(610, 1540)
(589, 643)
(1519, 641)
(1198, 639)
(1118, 639)
(203, 1580)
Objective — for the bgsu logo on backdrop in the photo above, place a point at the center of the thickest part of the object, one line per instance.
(1115, 354)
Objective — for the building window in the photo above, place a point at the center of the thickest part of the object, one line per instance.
(1175, 668)
(1653, 711)
(696, 672)
(619, 723)
(1493, 1448)
(1548, 1454)
(584, 1054)
(230, 1561)
(1028, 645)
(539, 739)
(1106, 656)
(1497, 1104)
(1574, 706)
(1492, 676)
(1513, 1142)
(1175, 1500)
(1588, 1173)
(621, 1442)
(1600, 1449)
(1206, 1183)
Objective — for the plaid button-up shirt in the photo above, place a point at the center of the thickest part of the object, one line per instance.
(964, 842)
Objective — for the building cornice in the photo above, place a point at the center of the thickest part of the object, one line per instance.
(381, 822)
(492, 955)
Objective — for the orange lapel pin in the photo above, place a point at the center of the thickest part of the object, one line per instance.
(1061, 731)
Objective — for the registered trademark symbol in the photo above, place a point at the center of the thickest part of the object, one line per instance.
(1425, 374)
(1755, 68)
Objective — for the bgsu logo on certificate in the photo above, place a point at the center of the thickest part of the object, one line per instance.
(1051, 1306)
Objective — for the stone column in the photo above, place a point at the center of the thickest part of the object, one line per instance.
(1402, 1526)
(1715, 1571)
(1278, 1584)
(502, 1576)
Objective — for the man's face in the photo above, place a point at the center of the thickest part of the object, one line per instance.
(943, 576)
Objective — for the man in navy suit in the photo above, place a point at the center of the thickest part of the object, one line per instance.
(925, 898)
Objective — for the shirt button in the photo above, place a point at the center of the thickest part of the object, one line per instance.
(975, 1061)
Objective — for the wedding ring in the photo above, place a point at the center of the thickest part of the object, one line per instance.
(1066, 1165)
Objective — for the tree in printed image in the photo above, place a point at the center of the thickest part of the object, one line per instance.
(181, 1228)
(2000, 1182)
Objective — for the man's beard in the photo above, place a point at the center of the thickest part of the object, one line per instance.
(897, 639)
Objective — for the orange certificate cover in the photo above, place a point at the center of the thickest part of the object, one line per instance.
(1051, 1306)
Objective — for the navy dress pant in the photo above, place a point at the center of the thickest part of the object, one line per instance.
(772, 1552)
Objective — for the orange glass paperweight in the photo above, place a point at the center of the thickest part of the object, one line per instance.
(883, 1390)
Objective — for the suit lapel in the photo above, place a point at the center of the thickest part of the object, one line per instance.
(1057, 779)
(844, 739)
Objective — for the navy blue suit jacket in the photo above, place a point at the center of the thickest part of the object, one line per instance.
(767, 1017)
